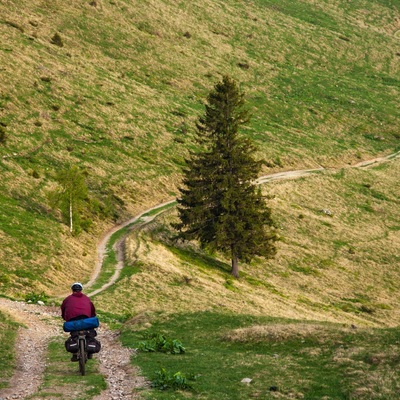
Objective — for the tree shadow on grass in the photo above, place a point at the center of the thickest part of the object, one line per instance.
(203, 261)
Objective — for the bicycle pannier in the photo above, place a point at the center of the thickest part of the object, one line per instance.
(72, 345)
(92, 345)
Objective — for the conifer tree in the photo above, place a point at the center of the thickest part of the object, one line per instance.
(219, 204)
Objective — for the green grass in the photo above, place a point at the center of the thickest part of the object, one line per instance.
(26, 228)
(113, 321)
(328, 360)
(159, 210)
(62, 378)
(8, 333)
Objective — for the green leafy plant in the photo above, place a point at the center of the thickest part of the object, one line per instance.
(157, 342)
(35, 297)
(165, 380)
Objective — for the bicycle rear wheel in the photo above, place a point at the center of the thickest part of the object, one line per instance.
(82, 357)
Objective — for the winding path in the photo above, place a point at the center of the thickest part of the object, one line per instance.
(43, 322)
(118, 247)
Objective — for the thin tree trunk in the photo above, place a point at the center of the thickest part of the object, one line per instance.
(70, 216)
(235, 266)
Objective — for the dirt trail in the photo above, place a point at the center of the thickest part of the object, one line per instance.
(44, 322)
(305, 172)
(115, 364)
(41, 324)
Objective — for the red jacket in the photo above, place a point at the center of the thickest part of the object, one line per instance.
(75, 305)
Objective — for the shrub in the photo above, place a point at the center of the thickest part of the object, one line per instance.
(86, 224)
(3, 136)
(34, 174)
(57, 40)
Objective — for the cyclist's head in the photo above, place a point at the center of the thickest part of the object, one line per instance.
(76, 287)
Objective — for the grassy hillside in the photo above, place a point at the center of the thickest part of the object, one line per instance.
(115, 87)
(337, 259)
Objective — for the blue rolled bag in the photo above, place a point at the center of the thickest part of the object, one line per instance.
(81, 324)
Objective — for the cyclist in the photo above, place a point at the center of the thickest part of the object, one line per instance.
(78, 306)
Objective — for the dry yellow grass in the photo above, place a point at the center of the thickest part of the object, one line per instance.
(284, 332)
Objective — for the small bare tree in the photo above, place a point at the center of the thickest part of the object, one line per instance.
(70, 195)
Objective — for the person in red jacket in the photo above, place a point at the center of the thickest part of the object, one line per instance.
(78, 306)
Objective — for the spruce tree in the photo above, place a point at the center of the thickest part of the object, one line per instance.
(219, 204)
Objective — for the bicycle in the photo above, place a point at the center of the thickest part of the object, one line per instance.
(82, 341)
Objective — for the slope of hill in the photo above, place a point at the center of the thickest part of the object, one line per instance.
(115, 86)
(337, 259)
